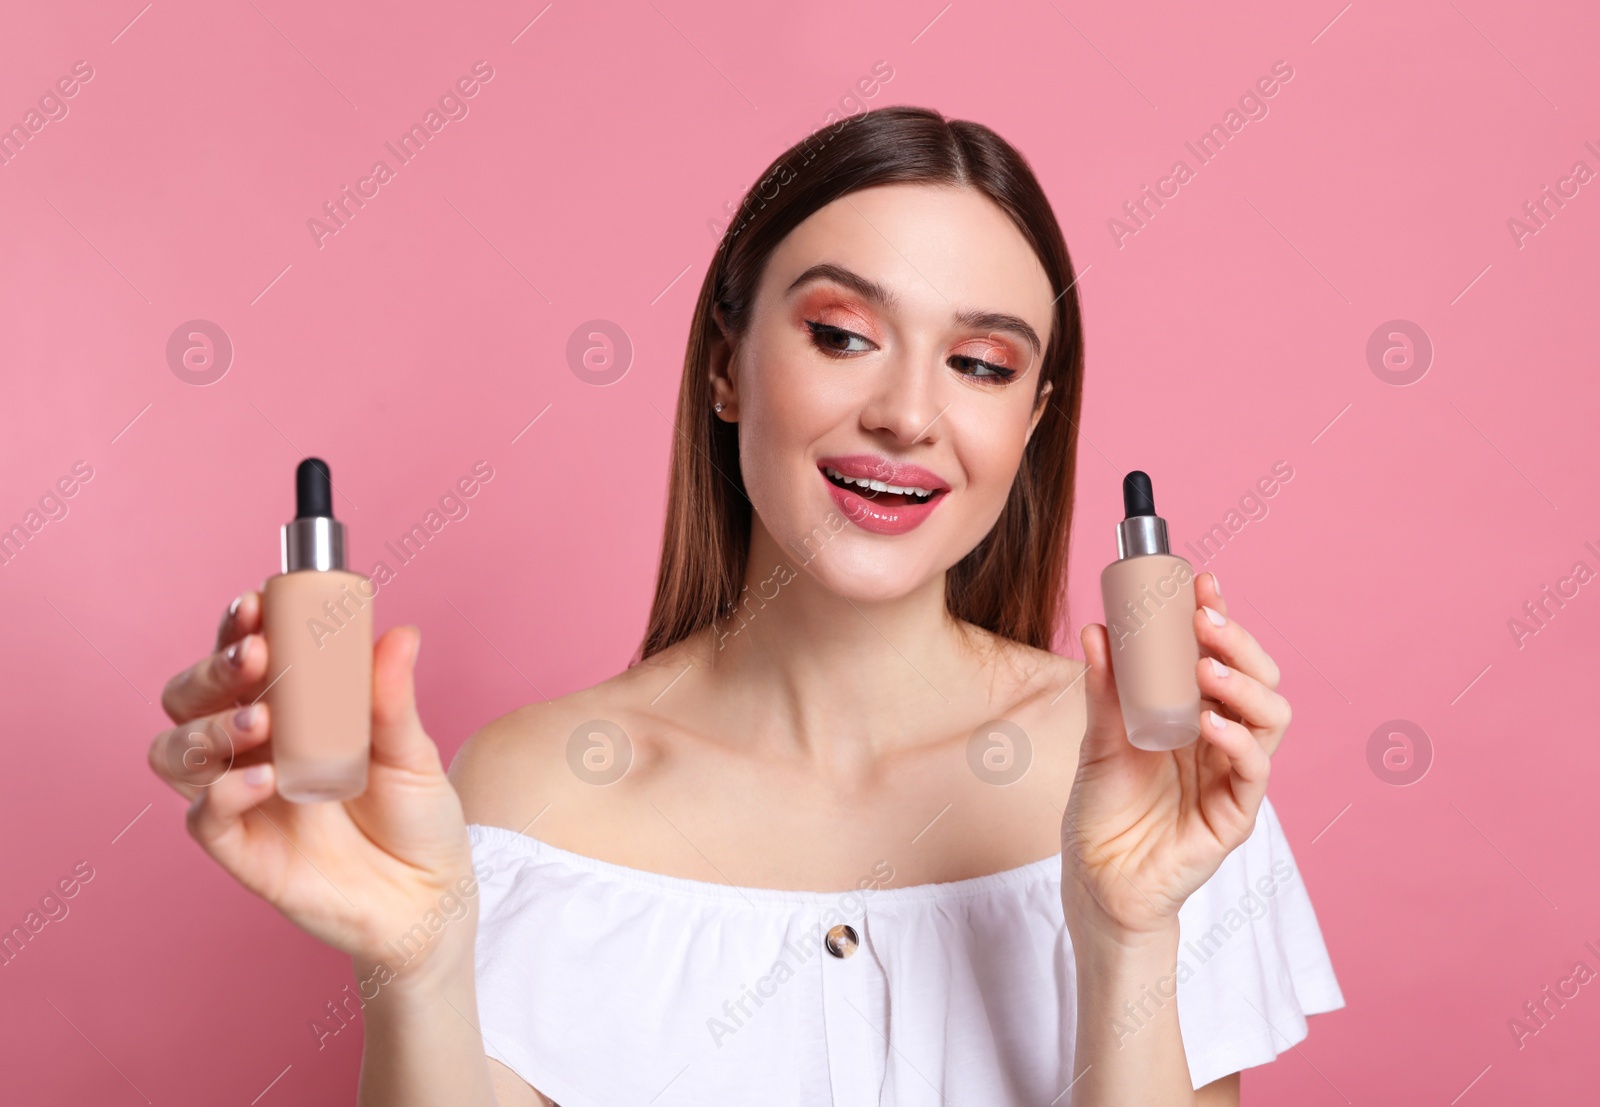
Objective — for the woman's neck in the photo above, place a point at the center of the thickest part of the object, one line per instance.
(840, 680)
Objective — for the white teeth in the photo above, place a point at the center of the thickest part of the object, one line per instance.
(878, 485)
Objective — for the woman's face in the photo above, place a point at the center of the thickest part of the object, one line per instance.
(896, 339)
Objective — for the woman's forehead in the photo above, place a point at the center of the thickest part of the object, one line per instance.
(933, 250)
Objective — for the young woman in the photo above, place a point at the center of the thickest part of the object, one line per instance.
(847, 831)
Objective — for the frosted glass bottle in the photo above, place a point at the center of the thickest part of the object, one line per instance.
(1148, 594)
(317, 619)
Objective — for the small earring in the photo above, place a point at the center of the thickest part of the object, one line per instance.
(717, 406)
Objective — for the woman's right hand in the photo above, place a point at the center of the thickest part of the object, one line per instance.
(358, 874)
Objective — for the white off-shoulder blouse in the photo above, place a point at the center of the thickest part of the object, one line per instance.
(603, 985)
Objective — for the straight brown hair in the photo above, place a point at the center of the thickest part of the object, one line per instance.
(1013, 583)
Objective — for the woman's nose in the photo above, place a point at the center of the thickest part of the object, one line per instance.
(905, 400)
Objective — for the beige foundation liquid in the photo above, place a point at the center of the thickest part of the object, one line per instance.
(1149, 604)
(317, 619)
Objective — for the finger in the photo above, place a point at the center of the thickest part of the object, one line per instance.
(1104, 733)
(1206, 591)
(216, 817)
(242, 617)
(221, 680)
(1256, 706)
(397, 735)
(1248, 765)
(194, 756)
(1223, 637)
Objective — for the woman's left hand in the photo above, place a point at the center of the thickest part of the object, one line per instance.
(1143, 830)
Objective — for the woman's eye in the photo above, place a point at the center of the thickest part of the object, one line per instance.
(982, 370)
(834, 340)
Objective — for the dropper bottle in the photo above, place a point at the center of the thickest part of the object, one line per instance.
(317, 619)
(1149, 605)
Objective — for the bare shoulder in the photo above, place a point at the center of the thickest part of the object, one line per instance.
(554, 753)
(1052, 672)
(1041, 692)
(493, 769)
(1029, 680)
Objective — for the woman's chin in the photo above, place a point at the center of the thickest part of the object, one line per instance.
(871, 579)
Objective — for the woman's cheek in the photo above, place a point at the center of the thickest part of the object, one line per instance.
(989, 484)
(768, 466)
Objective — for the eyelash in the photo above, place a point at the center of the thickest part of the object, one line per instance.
(997, 374)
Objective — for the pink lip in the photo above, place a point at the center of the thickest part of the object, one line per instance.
(889, 472)
(877, 517)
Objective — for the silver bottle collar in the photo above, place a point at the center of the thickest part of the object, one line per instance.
(1138, 535)
(314, 542)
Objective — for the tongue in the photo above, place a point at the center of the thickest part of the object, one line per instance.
(890, 499)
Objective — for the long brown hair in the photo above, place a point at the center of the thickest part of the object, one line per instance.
(1014, 582)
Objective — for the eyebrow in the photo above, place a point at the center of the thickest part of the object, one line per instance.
(881, 297)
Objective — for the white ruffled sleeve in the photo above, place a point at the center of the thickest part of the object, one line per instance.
(506, 962)
(1251, 961)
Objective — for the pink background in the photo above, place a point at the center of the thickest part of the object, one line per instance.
(1227, 335)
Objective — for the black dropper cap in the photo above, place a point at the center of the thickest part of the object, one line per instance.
(1138, 498)
(1142, 531)
(313, 539)
(313, 489)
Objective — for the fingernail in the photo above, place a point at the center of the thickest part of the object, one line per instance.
(1215, 585)
(1216, 722)
(233, 608)
(256, 775)
(235, 653)
(1215, 616)
(245, 717)
(1218, 667)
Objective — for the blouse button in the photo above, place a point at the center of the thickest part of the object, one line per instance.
(842, 940)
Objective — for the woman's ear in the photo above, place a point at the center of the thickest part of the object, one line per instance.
(724, 382)
(1038, 409)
